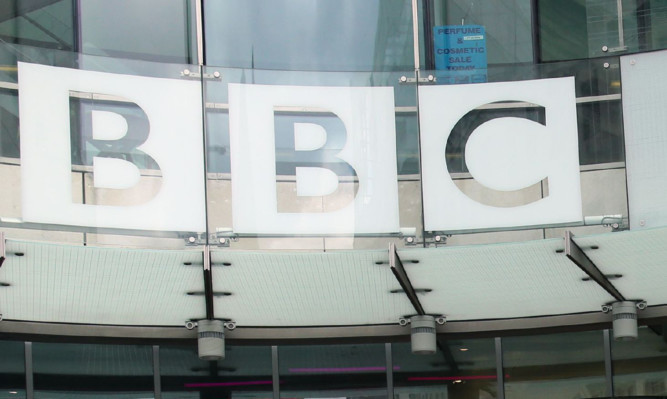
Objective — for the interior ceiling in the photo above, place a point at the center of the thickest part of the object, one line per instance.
(118, 286)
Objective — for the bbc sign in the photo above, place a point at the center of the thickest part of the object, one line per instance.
(503, 155)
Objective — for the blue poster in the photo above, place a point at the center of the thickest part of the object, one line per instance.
(460, 53)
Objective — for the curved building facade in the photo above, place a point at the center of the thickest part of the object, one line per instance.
(412, 199)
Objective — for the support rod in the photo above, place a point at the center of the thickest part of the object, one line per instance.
(579, 258)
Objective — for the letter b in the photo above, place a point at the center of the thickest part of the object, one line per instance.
(368, 148)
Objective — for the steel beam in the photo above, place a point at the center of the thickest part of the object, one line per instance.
(397, 268)
(577, 255)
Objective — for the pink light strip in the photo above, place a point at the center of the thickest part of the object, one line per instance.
(226, 384)
(339, 369)
(462, 378)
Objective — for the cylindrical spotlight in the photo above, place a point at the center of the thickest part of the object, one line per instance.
(211, 339)
(422, 332)
(624, 316)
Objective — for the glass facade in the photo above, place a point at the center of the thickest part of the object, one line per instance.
(159, 112)
(311, 44)
(565, 365)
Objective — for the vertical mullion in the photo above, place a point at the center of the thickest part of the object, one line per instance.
(500, 374)
(608, 366)
(389, 362)
(275, 372)
(157, 385)
(29, 383)
(415, 33)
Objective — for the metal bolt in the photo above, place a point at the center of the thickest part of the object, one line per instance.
(431, 78)
(642, 222)
(403, 79)
(216, 74)
(605, 65)
(186, 72)
(410, 240)
(605, 48)
(437, 238)
(222, 240)
(192, 239)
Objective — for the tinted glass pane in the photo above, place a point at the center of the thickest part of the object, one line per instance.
(591, 28)
(459, 369)
(341, 35)
(640, 367)
(555, 366)
(245, 372)
(600, 132)
(159, 30)
(352, 371)
(92, 371)
(12, 370)
(507, 28)
(43, 23)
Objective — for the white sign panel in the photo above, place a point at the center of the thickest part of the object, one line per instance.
(644, 120)
(173, 116)
(367, 114)
(503, 154)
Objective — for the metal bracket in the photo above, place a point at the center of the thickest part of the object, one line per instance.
(223, 237)
(614, 49)
(641, 305)
(190, 324)
(616, 222)
(186, 73)
(194, 239)
(429, 79)
(436, 239)
(404, 321)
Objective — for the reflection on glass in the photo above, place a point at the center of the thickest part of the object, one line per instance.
(460, 369)
(592, 28)
(245, 372)
(157, 30)
(507, 26)
(555, 366)
(319, 35)
(12, 370)
(38, 23)
(640, 367)
(600, 132)
(92, 371)
(333, 371)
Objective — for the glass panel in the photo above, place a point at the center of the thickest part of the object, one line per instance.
(43, 23)
(502, 36)
(119, 29)
(12, 370)
(640, 367)
(600, 121)
(555, 366)
(333, 371)
(315, 35)
(592, 28)
(244, 373)
(311, 159)
(460, 369)
(92, 371)
(109, 142)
